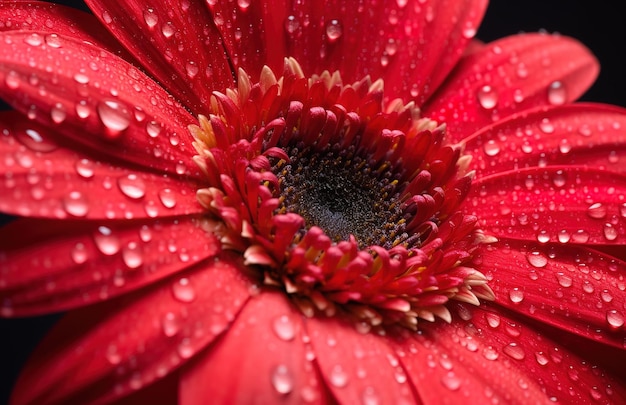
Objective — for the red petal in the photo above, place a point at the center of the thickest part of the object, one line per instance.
(576, 134)
(411, 46)
(45, 180)
(487, 357)
(357, 367)
(510, 75)
(26, 15)
(98, 354)
(52, 266)
(557, 203)
(261, 359)
(176, 42)
(78, 89)
(573, 289)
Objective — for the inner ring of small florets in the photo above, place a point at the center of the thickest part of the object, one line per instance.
(339, 191)
(338, 200)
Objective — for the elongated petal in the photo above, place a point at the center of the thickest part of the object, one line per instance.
(576, 134)
(261, 359)
(558, 203)
(54, 19)
(51, 266)
(412, 46)
(487, 357)
(573, 289)
(45, 180)
(77, 89)
(357, 366)
(176, 42)
(98, 354)
(511, 75)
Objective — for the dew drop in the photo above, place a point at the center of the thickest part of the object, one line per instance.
(606, 296)
(490, 353)
(75, 204)
(516, 295)
(282, 379)
(192, 69)
(284, 328)
(243, 4)
(34, 39)
(334, 31)
(338, 377)
(580, 236)
(514, 351)
(557, 94)
(596, 211)
(82, 110)
(537, 259)
(33, 140)
(115, 116)
(291, 24)
(106, 242)
(610, 232)
(541, 358)
(12, 80)
(491, 148)
(487, 97)
(493, 320)
(153, 129)
(150, 17)
(132, 255)
(370, 397)
(167, 30)
(132, 186)
(170, 324)
(185, 349)
(615, 318)
(58, 113)
(81, 78)
(451, 381)
(112, 355)
(564, 280)
(84, 168)
(183, 290)
(167, 198)
(79, 253)
(564, 236)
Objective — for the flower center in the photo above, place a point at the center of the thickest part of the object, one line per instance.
(344, 204)
(343, 194)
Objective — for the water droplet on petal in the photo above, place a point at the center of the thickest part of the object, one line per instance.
(596, 211)
(338, 377)
(557, 94)
(79, 253)
(516, 295)
(610, 232)
(58, 113)
(84, 168)
(282, 379)
(12, 80)
(185, 349)
(491, 148)
(132, 255)
(115, 116)
(606, 296)
(487, 97)
(243, 4)
(537, 259)
(170, 324)
(150, 17)
(284, 328)
(563, 279)
(167, 198)
(333, 31)
(106, 241)
(132, 186)
(514, 351)
(541, 358)
(34, 39)
(615, 319)
(369, 396)
(33, 140)
(291, 24)
(580, 236)
(183, 290)
(451, 381)
(112, 355)
(75, 204)
(153, 129)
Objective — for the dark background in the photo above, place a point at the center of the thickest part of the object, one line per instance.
(600, 25)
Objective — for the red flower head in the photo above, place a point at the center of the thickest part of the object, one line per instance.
(302, 201)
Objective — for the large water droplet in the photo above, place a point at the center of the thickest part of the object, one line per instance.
(132, 186)
(132, 255)
(487, 97)
(75, 204)
(115, 116)
(58, 113)
(170, 324)
(167, 198)
(183, 290)
(284, 328)
(516, 295)
(451, 381)
(338, 377)
(33, 140)
(282, 379)
(334, 30)
(106, 241)
(615, 319)
(79, 253)
(150, 17)
(185, 349)
(369, 396)
(514, 351)
(564, 280)
(557, 95)
(610, 232)
(291, 24)
(596, 211)
(537, 259)
(491, 148)
(85, 168)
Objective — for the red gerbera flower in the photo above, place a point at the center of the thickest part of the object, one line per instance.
(305, 202)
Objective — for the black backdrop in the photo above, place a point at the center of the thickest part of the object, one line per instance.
(601, 27)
